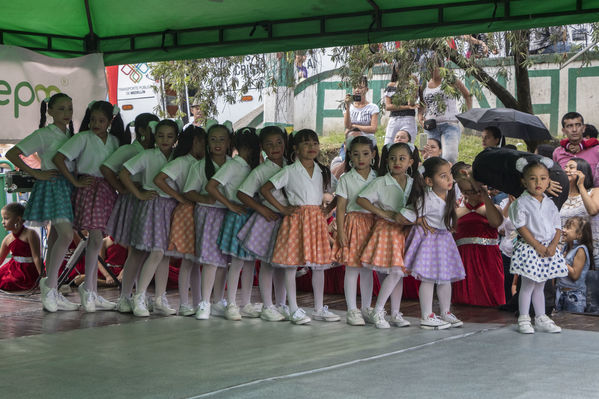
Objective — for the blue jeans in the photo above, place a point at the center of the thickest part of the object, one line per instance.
(449, 135)
(570, 301)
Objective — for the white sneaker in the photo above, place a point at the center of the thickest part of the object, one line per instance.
(124, 305)
(63, 303)
(451, 319)
(284, 310)
(379, 319)
(432, 322)
(203, 312)
(185, 310)
(545, 324)
(353, 317)
(48, 296)
(325, 315)
(270, 313)
(301, 272)
(102, 303)
(149, 303)
(299, 317)
(232, 312)
(219, 308)
(524, 326)
(140, 308)
(161, 306)
(368, 315)
(398, 320)
(88, 301)
(251, 310)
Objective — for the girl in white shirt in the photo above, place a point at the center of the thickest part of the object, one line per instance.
(150, 232)
(190, 148)
(228, 178)
(392, 197)
(209, 215)
(303, 238)
(95, 197)
(259, 234)
(354, 224)
(49, 200)
(121, 219)
(432, 255)
(535, 258)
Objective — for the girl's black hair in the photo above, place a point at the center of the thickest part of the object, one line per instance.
(494, 130)
(247, 138)
(362, 140)
(15, 209)
(583, 166)
(546, 150)
(117, 129)
(272, 131)
(306, 135)
(141, 122)
(185, 141)
(44, 106)
(418, 184)
(208, 165)
(584, 229)
(431, 167)
(457, 167)
(436, 141)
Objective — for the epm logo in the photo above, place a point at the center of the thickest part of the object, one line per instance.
(24, 93)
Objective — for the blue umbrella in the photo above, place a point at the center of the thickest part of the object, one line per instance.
(511, 122)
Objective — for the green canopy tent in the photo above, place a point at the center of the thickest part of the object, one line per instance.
(128, 31)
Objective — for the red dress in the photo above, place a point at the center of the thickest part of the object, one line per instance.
(116, 255)
(20, 272)
(477, 244)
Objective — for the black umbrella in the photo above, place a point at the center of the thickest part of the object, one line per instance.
(512, 123)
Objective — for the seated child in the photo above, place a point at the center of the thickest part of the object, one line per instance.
(22, 271)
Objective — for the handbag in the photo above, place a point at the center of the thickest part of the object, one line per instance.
(430, 124)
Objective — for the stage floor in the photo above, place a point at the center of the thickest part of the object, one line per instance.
(101, 355)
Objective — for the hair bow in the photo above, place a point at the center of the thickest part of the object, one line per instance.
(91, 104)
(179, 123)
(212, 122)
(131, 124)
(47, 100)
(152, 126)
(521, 163)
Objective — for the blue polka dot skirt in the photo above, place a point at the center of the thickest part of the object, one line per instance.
(526, 262)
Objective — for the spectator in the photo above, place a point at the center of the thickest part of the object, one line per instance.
(433, 148)
(402, 117)
(590, 132)
(492, 137)
(440, 111)
(575, 146)
(359, 113)
(196, 113)
(477, 47)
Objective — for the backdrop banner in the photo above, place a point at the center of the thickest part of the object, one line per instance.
(27, 78)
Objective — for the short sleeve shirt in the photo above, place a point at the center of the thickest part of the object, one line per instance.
(349, 186)
(363, 116)
(197, 180)
(231, 175)
(89, 151)
(177, 171)
(301, 188)
(386, 193)
(541, 218)
(148, 163)
(46, 142)
(258, 177)
(124, 153)
(433, 210)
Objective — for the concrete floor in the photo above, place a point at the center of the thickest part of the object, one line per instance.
(182, 358)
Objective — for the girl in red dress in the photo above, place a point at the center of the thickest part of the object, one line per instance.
(23, 270)
(478, 244)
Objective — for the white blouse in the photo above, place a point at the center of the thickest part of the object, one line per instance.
(258, 177)
(177, 171)
(231, 175)
(89, 151)
(301, 188)
(541, 218)
(349, 186)
(148, 163)
(386, 193)
(197, 180)
(124, 153)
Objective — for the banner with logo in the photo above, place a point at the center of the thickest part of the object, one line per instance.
(27, 78)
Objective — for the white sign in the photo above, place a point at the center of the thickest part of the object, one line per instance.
(27, 78)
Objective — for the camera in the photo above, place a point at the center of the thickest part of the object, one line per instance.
(357, 97)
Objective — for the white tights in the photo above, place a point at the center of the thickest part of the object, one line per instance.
(350, 286)
(531, 291)
(59, 239)
(267, 276)
(132, 266)
(318, 289)
(213, 277)
(246, 268)
(290, 287)
(92, 250)
(392, 287)
(425, 293)
(189, 271)
(156, 266)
